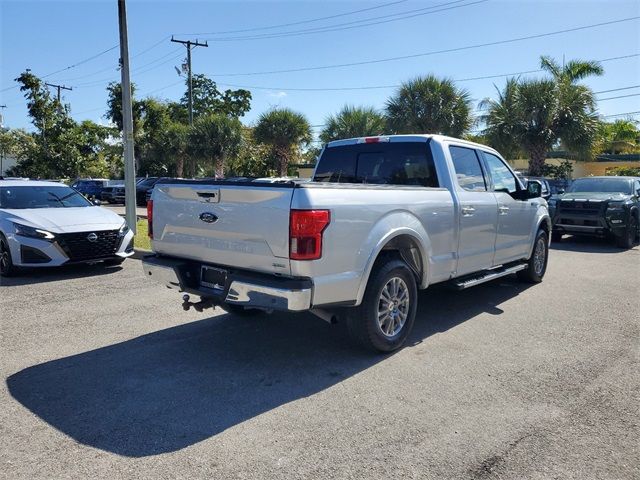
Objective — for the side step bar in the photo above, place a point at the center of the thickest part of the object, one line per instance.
(477, 279)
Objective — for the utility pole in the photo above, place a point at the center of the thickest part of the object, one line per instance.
(189, 44)
(127, 122)
(58, 87)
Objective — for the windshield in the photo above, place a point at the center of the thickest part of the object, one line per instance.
(605, 185)
(41, 197)
(148, 182)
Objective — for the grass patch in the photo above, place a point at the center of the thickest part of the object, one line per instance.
(141, 240)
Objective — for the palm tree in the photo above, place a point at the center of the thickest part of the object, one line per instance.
(175, 142)
(216, 137)
(502, 120)
(572, 71)
(283, 130)
(430, 105)
(537, 114)
(353, 122)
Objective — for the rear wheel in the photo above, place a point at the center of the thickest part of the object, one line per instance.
(629, 237)
(537, 262)
(384, 319)
(7, 268)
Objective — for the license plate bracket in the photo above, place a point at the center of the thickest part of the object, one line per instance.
(214, 278)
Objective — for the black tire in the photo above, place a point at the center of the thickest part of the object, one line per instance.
(362, 321)
(627, 240)
(114, 262)
(556, 237)
(537, 262)
(241, 311)
(7, 268)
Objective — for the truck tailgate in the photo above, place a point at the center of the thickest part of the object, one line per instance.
(242, 226)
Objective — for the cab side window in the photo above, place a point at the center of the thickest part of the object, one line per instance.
(503, 179)
(468, 169)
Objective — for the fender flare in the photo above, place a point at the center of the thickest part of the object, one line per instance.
(424, 248)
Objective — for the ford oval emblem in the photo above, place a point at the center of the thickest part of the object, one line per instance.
(92, 237)
(208, 217)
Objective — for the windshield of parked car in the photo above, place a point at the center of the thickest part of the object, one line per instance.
(605, 185)
(41, 197)
(149, 182)
(401, 163)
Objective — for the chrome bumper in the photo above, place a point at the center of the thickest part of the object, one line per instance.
(241, 291)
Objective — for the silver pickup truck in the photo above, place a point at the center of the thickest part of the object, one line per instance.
(381, 218)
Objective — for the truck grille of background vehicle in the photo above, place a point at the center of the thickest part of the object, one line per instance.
(78, 247)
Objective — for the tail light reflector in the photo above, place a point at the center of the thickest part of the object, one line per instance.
(305, 238)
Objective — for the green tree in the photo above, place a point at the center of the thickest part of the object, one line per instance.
(353, 122)
(503, 120)
(207, 99)
(621, 136)
(430, 105)
(541, 113)
(285, 131)
(215, 138)
(253, 159)
(175, 141)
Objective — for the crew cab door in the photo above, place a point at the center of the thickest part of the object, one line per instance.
(477, 212)
(516, 214)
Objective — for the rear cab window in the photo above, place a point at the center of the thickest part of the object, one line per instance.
(391, 163)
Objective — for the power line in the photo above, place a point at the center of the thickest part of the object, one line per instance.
(378, 87)
(301, 22)
(619, 96)
(618, 89)
(356, 23)
(622, 114)
(81, 62)
(433, 52)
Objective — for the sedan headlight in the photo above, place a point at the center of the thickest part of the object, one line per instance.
(32, 232)
(124, 229)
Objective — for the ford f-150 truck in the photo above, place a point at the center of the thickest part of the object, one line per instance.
(381, 218)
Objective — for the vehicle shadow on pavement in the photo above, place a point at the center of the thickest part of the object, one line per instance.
(34, 276)
(588, 245)
(170, 389)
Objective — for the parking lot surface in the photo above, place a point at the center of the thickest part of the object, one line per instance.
(107, 377)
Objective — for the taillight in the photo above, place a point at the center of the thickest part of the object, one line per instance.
(150, 218)
(305, 238)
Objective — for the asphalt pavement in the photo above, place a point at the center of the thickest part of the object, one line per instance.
(107, 377)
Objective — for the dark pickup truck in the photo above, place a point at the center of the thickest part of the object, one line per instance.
(598, 206)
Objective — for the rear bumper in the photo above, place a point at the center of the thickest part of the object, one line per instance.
(243, 288)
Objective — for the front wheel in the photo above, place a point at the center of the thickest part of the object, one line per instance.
(537, 262)
(629, 237)
(7, 268)
(384, 319)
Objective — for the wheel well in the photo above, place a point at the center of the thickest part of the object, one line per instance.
(406, 248)
(545, 226)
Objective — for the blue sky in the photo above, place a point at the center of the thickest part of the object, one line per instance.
(47, 36)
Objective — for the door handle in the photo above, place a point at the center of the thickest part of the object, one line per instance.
(503, 210)
(468, 211)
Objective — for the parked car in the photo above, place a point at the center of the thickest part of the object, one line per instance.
(46, 224)
(92, 189)
(109, 194)
(381, 218)
(142, 188)
(558, 185)
(598, 206)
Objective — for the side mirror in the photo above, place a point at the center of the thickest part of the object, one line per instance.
(534, 189)
(560, 191)
(97, 202)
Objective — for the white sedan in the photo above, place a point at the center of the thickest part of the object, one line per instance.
(48, 224)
